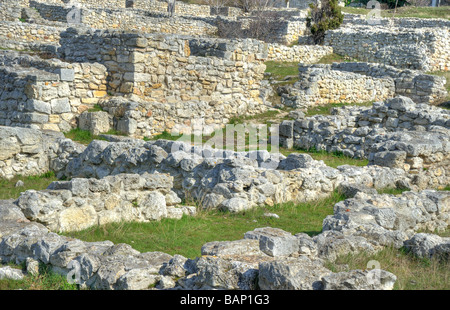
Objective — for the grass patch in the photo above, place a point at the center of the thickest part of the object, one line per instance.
(186, 236)
(45, 280)
(164, 136)
(85, 136)
(392, 191)
(280, 70)
(80, 136)
(412, 273)
(329, 59)
(406, 11)
(333, 160)
(96, 108)
(326, 109)
(39, 182)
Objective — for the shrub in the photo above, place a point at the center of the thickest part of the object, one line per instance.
(326, 17)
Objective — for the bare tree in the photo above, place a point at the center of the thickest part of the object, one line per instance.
(217, 4)
(254, 5)
(170, 7)
(263, 24)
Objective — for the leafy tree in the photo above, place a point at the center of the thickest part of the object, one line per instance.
(324, 17)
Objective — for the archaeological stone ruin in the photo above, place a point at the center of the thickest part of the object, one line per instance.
(128, 73)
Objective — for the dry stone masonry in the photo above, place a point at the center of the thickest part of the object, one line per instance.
(394, 133)
(408, 43)
(127, 66)
(359, 82)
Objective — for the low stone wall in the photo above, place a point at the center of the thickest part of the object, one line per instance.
(26, 32)
(82, 203)
(361, 82)
(182, 8)
(137, 20)
(10, 12)
(396, 133)
(266, 258)
(421, 49)
(83, 3)
(22, 152)
(233, 181)
(420, 87)
(321, 85)
(174, 78)
(400, 217)
(351, 20)
(47, 94)
(307, 54)
(29, 152)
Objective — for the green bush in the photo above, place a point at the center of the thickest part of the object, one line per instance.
(327, 17)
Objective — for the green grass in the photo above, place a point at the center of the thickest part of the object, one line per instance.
(329, 59)
(406, 11)
(392, 191)
(333, 160)
(412, 273)
(45, 280)
(186, 236)
(326, 109)
(279, 70)
(96, 108)
(85, 136)
(39, 182)
(164, 135)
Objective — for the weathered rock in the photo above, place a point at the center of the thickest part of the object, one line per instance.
(274, 242)
(8, 273)
(137, 279)
(349, 190)
(237, 247)
(299, 273)
(374, 279)
(219, 273)
(429, 246)
(176, 267)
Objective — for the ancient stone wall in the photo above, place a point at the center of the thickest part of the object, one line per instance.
(320, 85)
(30, 152)
(138, 20)
(47, 94)
(351, 20)
(421, 48)
(395, 133)
(420, 87)
(174, 77)
(361, 82)
(307, 54)
(25, 32)
(82, 203)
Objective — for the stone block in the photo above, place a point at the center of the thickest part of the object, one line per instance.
(95, 122)
(66, 74)
(60, 106)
